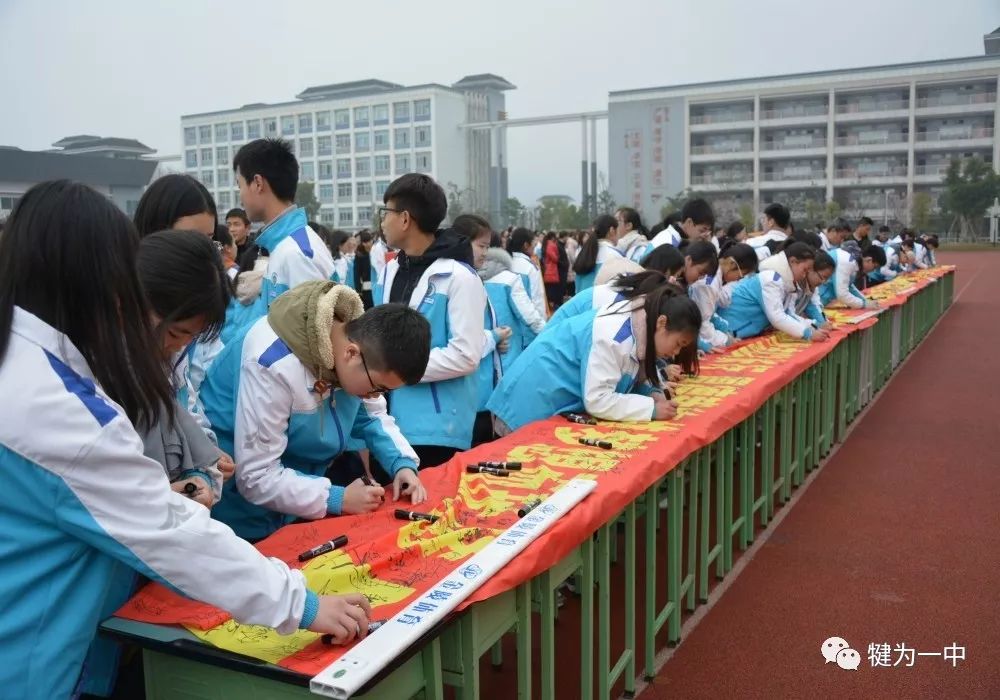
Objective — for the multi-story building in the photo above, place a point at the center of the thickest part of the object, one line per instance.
(352, 139)
(867, 138)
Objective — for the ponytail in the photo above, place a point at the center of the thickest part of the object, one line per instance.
(666, 259)
(518, 239)
(631, 217)
(739, 256)
(586, 261)
(798, 250)
(682, 316)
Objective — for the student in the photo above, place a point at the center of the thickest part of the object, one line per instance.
(363, 268)
(762, 301)
(736, 232)
(695, 221)
(555, 266)
(291, 394)
(836, 233)
(176, 202)
(873, 261)
(239, 228)
(519, 247)
(808, 304)
(377, 254)
(862, 232)
(738, 261)
(841, 287)
(340, 246)
(774, 221)
(926, 250)
(227, 249)
(78, 356)
(597, 249)
(632, 241)
(268, 175)
(700, 265)
(604, 362)
(433, 273)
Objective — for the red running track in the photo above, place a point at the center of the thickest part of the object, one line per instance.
(896, 540)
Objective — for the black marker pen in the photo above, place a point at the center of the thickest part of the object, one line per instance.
(528, 507)
(366, 480)
(372, 626)
(514, 466)
(413, 515)
(476, 469)
(577, 418)
(596, 443)
(190, 489)
(335, 543)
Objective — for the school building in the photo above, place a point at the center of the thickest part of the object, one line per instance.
(352, 139)
(867, 138)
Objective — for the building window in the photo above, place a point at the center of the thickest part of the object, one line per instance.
(342, 119)
(288, 126)
(381, 165)
(253, 129)
(325, 170)
(362, 141)
(324, 146)
(362, 167)
(222, 154)
(322, 121)
(225, 201)
(236, 131)
(345, 217)
(360, 117)
(191, 158)
(270, 127)
(423, 162)
(380, 114)
(381, 140)
(305, 123)
(206, 178)
(206, 156)
(221, 132)
(306, 147)
(400, 112)
(343, 167)
(326, 194)
(380, 189)
(343, 143)
(308, 171)
(364, 191)
(364, 216)
(205, 134)
(190, 136)
(422, 137)
(327, 216)
(222, 177)
(345, 192)
(421, 110)
(402, 164)
(403, 138)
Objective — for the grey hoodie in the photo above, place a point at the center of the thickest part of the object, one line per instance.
(497, 260)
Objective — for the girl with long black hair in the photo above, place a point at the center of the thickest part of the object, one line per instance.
(599, 246)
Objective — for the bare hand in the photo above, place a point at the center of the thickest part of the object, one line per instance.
(674, 373)
(202, 494)
(503, 334)
(819, 336)
(227, 466)
(407, 483)
(664, 408)
(343, 616)
(359, 498)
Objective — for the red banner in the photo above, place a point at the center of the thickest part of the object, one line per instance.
(392, 563)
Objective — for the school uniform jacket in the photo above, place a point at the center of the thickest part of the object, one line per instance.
(633, 246)
(441, 409)
(759, 243)
(668, 236)
(514, 309)
(605, 251)
(589, 299)
(706, 294)
(263, 404)
(589, 362)
(84, 507)
(840, 286)
(761, 301)
(531, 278)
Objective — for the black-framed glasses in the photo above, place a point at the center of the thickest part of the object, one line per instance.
(382, 211)
(376, 389)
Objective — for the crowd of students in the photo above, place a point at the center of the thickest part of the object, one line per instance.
(177, 389)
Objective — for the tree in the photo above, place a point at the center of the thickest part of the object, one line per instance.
(970, 189)
(920, 210)
(814, 213)
(558, 213)
(511, 212)
(605, 200)
(747, 217)
(833, 210)
(305, 197)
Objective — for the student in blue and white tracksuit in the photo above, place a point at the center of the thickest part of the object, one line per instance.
(695, 221)
(292, 394)
(85, 506)
(433, 274)
(840, 287)
(519, 247)
(632, 241)
(737, 262)
(808, 305)
(766, 299)
(603, 362)
(597, 249)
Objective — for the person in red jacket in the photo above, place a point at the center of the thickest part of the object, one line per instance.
(555, 266)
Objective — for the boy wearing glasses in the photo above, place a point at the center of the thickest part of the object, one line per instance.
(297, 389)
(434, 274)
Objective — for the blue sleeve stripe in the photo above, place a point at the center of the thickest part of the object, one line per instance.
(309, 610)
(274, 352)
(84, 390)
(625, 332)
(301, 237)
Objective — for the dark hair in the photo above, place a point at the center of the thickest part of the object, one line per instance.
(798, 250)
(67, 255)
(182, 277)
(586, 259)
(631, 216)
(743, 255)
(394, 338)
(671, 219)
(664, 258)
(877, 254)
(170, 198)
(840, 224)
(222, 236)
(932, 240)
(809, 238)
(884, 229)
(518, 239)
(865, 220)
(334, 239)
(663, 299)
(365, 236)
(470, 226)
(702, 252)
(699, 211)
(420, 196)
(237, 213)
(823, 261)
(274, 161)
(734, 229)
(780, 214)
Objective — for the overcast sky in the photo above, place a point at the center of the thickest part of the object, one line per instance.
(130, 68)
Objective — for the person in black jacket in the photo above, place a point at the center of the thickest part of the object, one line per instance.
(363, 268)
